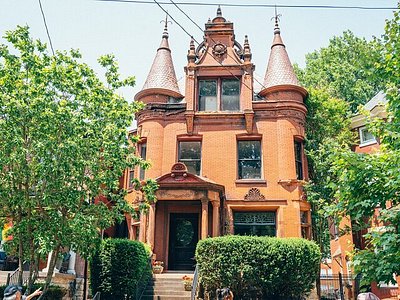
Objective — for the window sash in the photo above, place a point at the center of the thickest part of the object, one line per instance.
(208, 95)
(131, 176)
(230, 95)
(255, 223)
(298, 156)
(221, 94)
(143, 154)
(249, 159)
(366, 136)
(189, 153)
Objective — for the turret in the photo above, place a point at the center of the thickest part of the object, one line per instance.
(280, 75)
(161, 83)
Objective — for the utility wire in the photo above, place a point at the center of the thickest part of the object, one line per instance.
(172, 18)
(259, 5)
(45, 25)
(191, 36)
(198, 26)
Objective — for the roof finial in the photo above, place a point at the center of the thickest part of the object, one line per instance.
(219, 12)
(246, 50)
(277, 19)
(165, 33)
(192, 51)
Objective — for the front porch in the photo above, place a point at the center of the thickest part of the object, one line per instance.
(188, 209)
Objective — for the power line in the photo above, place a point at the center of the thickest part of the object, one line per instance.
(172, 18)
(198, 26)
(259, 5)
(45, 25)
(191, 36)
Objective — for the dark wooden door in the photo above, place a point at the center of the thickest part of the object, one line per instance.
(183, 238)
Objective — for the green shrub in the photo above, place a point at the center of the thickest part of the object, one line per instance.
(54, 292)
(273, 267)
(118, 267)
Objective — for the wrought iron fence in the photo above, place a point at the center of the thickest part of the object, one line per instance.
(339, 287)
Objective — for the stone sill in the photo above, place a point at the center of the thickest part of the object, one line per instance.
(251, 181)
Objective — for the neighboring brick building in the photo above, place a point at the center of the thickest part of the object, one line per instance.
(343, 244)
(228, 159)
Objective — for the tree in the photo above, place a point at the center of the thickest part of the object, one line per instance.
(63, 144)
(339, 78)
(345, 69)
(327, 128)
(369, 181)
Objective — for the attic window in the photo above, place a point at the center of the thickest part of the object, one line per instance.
(366, 137)
(221, 94)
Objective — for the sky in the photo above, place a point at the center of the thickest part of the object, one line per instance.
(132, 32)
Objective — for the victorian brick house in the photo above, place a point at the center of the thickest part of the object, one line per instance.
(228, 159)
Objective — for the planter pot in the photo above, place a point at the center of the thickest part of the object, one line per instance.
(158, 269)
(187, 286)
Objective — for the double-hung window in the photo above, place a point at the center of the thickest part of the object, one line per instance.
(249, 159)
(298, 157)
(143, 154)
(131, 177)
(190, 155)
(221, 94)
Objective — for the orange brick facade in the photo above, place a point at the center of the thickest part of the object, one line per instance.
(211, 202)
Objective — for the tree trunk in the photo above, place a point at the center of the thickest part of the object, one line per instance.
(50, 271)
(20, 262)
(32, 263)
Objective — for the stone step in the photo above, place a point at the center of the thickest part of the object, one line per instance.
(165, 283)
(167, 286)
(165, 297)
(166, 280)
(166, 292)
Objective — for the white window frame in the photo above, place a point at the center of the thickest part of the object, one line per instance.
(367, 142)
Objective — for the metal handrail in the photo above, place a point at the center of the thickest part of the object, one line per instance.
(143, 281)
(12, 277)
(195, 283)
(97, 296)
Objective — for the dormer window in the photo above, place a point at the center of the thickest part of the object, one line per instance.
(366, 137)
(221, 94)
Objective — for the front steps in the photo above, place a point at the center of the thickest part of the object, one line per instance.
(167, 286)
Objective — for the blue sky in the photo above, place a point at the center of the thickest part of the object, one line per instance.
(133, 31)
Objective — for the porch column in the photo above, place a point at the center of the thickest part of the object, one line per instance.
(216, 217)
(204, 218)
(71, 263)
(151, 226)
(49, 256)
(142, 228)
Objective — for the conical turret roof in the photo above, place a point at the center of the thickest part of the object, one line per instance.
(279, 70)
(161, 78)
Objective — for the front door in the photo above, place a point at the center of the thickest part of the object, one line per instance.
(183, 238)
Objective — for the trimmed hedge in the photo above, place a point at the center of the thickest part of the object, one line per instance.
(273, 268)
(117, 268)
